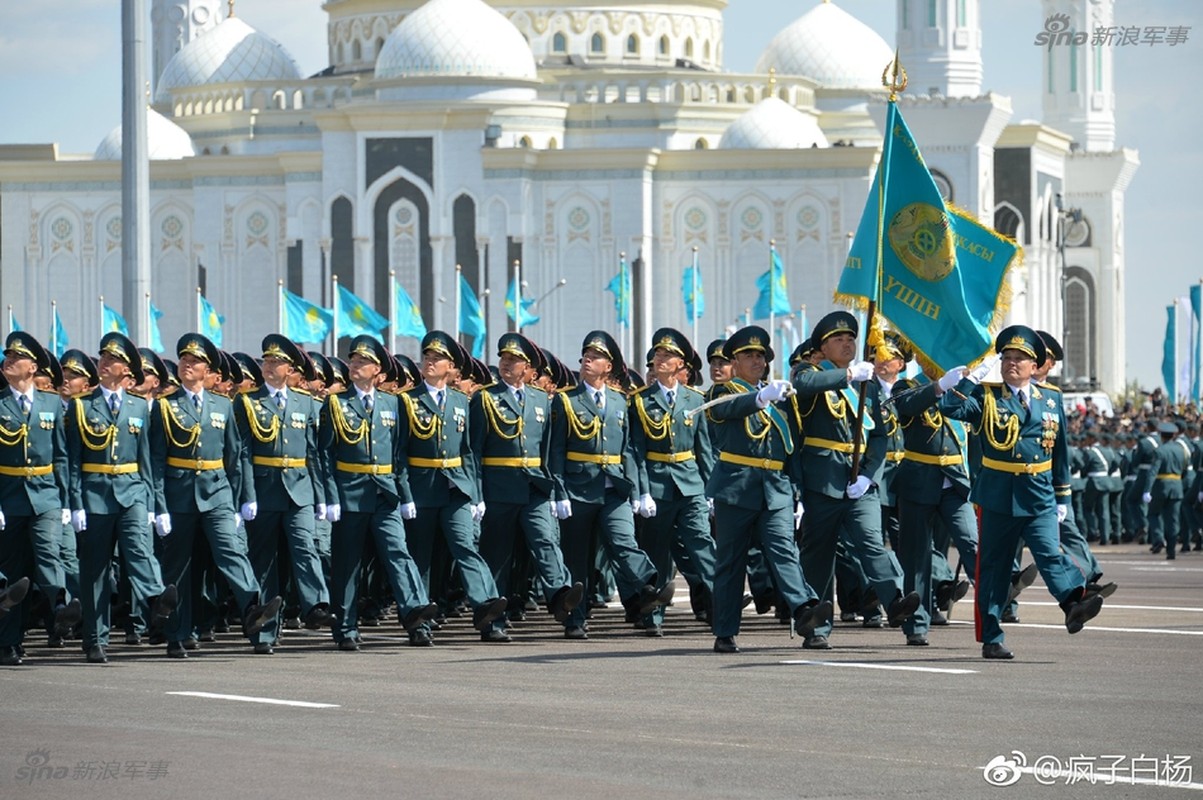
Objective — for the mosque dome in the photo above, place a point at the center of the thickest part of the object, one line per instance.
(456, 38)
(233, 52)
(165, 140)
(831, 47)
(772, 124)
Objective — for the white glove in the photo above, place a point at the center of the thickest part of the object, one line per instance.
(79, 520)
(773, 392)
(163, 524)
(858, 487)
(237, 520)
(250, 510)
(1146, 498)
(1062, 513)
(798, 512)
(635, 507)
(859, 371)
(66, 516)
(1200, 497)
(2, 522)
(150, 518)
(647, 506)
(562, 509)
(478, 511)
(951, 378)
(979, 373)
(409, 511)
(319, 512)
(334, 512)
(710, 505)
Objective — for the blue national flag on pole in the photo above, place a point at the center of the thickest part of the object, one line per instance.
(409, 316)
(13, 325)
(471, 317)
(514, 300)
(620, 286)
(59, 335)
(210, 321)
(305, 322)
(691, 292)
(1169, 356)
(112, 321)
(774, 294)
(1196, 342)
(156, 336)
(942, 279)
(356, 317)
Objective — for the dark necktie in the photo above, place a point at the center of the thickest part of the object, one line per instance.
(114, 403)
(670, 394)
(280, 401)
(367, 403)
(439, 396)
(25, 404)
(518, 394)
(196, 402)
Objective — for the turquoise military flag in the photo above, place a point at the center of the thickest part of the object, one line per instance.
(774, 293)
(1196, 340)
(620, 287)
(58, 334)
(156, 336)
(691, 292)
(111, 321)
(935, 273)
(472, 317)
(408, 316)
(305, 322)
(210, 322)
(516, 306)
(13, 325)
(356, 317)
(1169, 354)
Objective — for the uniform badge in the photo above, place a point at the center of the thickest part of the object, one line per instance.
(461, 421)
(297, 420)
(538, 414)
(1048, 433)
(46, 420)
(388, 419)
(135, 425)
(1051, 403)
(688, 421)
(217, 420)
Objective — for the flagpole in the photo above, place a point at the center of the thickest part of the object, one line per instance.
(199, 327)
(10, 319)
(459, 272)
(54, 327)
(334, 327)
(149, 317)
(694, 297)
(772, 293)
(102, 330)
(392, 311)
(517, 295)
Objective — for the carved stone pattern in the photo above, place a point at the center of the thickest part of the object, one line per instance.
(228, 227)
(616, 18)
(33, 228)
(89, 229)
(607, 230)
(723, 228)
(549, 219)
(580, 21)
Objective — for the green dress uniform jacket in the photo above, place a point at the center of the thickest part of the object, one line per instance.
(434, 449)
(359, 450)
(589, 446)
(672, 448)
(746, 435)
(280, 449)
(512, 445)
(33, 456)
(110, 456)
(828, 407)
(933, 450)
(197, 456)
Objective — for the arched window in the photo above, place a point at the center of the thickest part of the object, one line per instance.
(552, 144)
(632, 45)
(689, 48)
(379, 44)
(559, 43)
(663, 48)
(1080, 326)
(524, 142)
(706, 51)
(597, 44)
(356, 51)
(701, 144)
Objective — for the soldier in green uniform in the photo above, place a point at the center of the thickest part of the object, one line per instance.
(1142, 460)
(597, 483)
(79, 377)
(110, 488)
(889, 361)
(1022, 487)
(1096, 470)
(836, 500)
(511, 439)
(756, 485)
(278, 424)
(197, 461)
(33, 492)
(1162, 489)
(436, 476)
(357, 437)
(671, 443)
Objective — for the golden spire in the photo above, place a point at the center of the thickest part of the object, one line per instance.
(772, 81)
(893, 77)
(231, 11)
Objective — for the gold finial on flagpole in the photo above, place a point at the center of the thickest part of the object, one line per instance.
(772, 81)
(893, 77)
(231, 12)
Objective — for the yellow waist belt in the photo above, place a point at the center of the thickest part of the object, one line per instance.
(110, 469)
(282, 463)
(748, 461)
(1017, 468)
(671, 458)
(830, 444)
(590, 458)
(436, 463)
(26, 472)
(939, 461)
(1168, 476)
(894, 455)
(364, 469)
(197, 464)
(516, 461)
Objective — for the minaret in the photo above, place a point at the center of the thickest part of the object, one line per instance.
(1076, 83)
(174, 23)
(940, 44)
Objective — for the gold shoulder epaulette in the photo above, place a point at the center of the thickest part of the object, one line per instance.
(1049, 387)
(299, 390)
(644, 388)
(693, 389)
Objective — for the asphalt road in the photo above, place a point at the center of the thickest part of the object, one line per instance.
(624, 715)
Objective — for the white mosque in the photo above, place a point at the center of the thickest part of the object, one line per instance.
(562, 134)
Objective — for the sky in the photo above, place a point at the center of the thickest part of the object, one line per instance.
(62, 63)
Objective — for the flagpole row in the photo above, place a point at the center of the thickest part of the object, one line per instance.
(334, 327)
(517, 299)
(459, 271)
(392, 311)
(693, 297)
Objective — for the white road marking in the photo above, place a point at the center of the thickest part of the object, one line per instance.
(245, 699)
(1110, 606)
(1101, 628)
(897, 667)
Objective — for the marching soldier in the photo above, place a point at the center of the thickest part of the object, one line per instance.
(1022, 487)
(278, 424)
(671, 443)
(111, 486)
(33, 492)
(597, 483)
(437, 479)
(511, 438)
(1162, 489)
(197, 460)
(358, 437)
